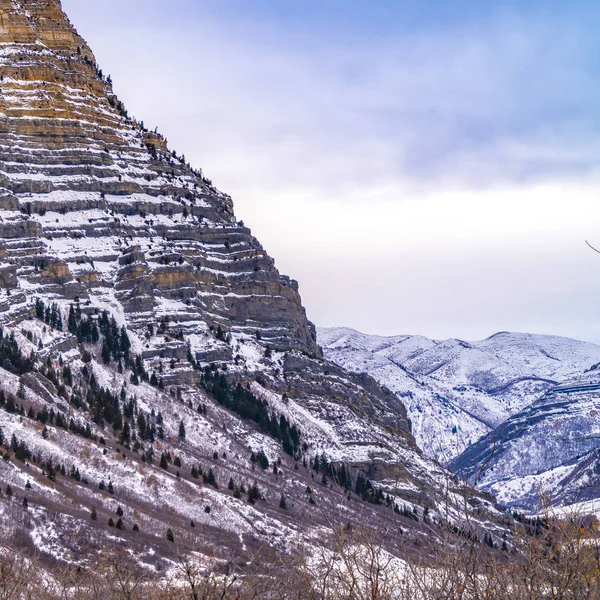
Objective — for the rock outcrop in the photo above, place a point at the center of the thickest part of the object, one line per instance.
(93, 198)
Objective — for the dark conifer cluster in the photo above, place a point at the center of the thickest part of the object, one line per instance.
(243, 402)
(11, 358)
(49, 314)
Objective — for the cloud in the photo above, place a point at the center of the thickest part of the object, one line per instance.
(450, 106)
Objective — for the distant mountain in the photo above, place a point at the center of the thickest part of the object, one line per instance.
(457, 391)
(547, 453)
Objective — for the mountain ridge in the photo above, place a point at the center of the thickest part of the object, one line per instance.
(475, 385)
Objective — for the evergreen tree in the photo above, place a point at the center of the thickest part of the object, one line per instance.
(170, 536)
(72, 321)
(39, 309)
(125, 437)
(125, 345)
(120, 525)
(253, 493)
(181, 430)
(211, 479)
(105, 352)
(282, 502)
(163, 461)
(51, 474)
(141, 425)
(10, 406)
(94, 514)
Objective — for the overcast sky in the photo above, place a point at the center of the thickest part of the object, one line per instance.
(420, 167)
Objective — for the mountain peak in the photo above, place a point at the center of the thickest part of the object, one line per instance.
(69, 147)
(39, 22)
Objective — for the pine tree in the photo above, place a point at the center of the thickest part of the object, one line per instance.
(211, 479)
(282, 502)
(39, 309)
(51, 474)
(8, 490)
(181, 430)
(72, 321)
(120, 525)
(170, 536)
(94, 514)
(231, 484)
(10, 406)
(119, 511)
(141, 425)
(253, 493)
(163, 461)
(125, 345)
(125, 437)
(105, 352)
(111, 523)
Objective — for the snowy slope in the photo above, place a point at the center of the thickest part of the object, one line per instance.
(546, 453)
(457, 391)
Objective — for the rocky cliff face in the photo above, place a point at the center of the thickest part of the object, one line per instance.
(161, 364)
(92, 200)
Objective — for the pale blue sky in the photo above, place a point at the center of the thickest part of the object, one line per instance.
(419, 167)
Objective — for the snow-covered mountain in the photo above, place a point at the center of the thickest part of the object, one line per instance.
(547, 453)
(159, 377)
(457, 391)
